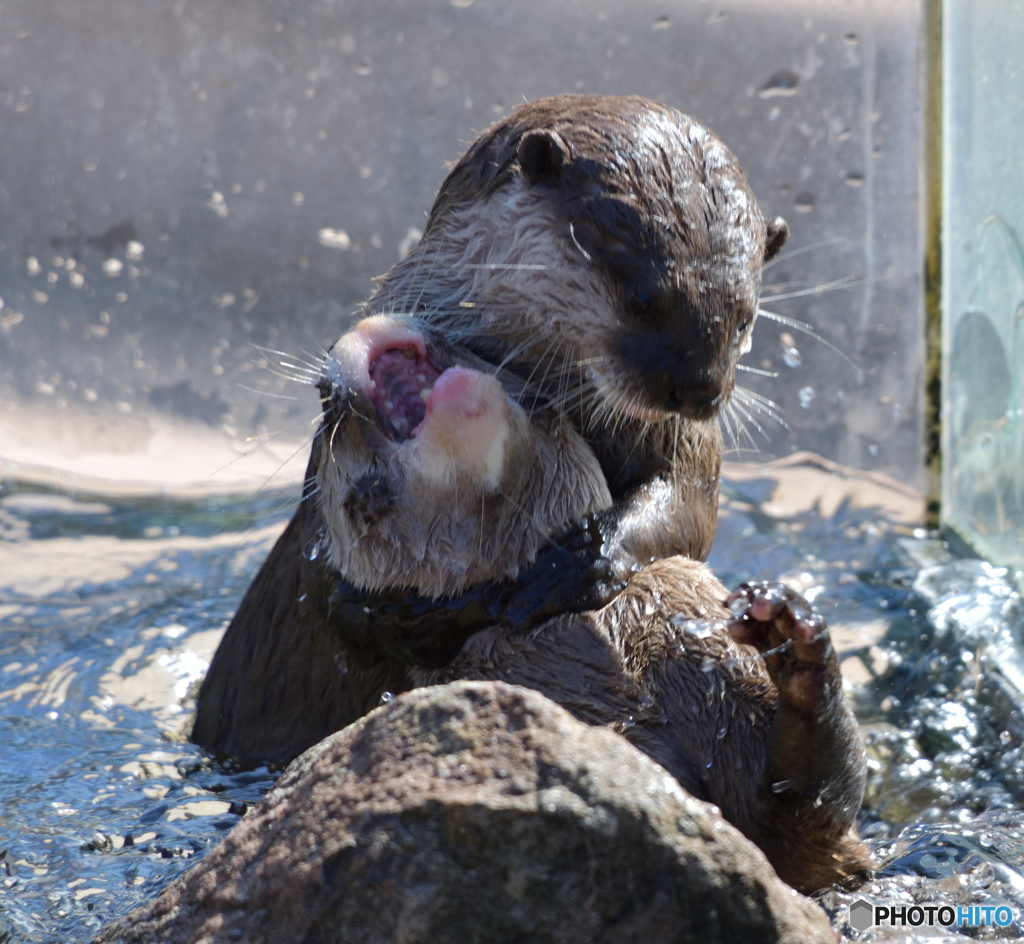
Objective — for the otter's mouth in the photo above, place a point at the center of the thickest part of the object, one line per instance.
(401, 380)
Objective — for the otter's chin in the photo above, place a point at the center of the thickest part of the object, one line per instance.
(634, 410)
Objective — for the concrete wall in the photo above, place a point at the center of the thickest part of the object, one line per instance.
(223, 136)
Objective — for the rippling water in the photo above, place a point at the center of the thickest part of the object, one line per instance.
(110, 611)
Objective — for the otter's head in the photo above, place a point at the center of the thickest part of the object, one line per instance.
(430, 475)
(610, 246)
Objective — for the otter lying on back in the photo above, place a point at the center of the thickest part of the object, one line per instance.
(432, 476)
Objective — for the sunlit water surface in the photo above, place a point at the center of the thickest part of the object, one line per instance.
(110, 611)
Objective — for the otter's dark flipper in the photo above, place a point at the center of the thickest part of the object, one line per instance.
(568, 576)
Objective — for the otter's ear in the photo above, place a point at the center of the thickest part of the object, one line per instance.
(542, 155)
(777, 234)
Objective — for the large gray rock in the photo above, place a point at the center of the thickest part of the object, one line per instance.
(474, 812)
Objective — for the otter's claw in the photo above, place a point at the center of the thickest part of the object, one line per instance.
(792, 637)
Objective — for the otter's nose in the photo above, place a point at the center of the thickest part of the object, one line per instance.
(695, 400)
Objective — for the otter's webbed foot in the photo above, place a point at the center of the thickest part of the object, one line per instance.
(792, 638)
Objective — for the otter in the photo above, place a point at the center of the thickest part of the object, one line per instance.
(436, 472)
(605, 251)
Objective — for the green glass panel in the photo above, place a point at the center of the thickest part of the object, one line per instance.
(983, 276)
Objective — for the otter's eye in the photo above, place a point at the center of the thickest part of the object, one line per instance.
(744, 339)
(642, 302)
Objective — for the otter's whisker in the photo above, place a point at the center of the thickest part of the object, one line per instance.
(785, 256)
(429, 275)
(742, 427)
(810, 332)
(260, 440)
(480, 543)
(266, 351)
(540, 361)
(286, 503)
(330, 442)
(675, 451)
(727, 423)
(738, 404)
(572, 234)
(760, 404)
(847, 281)
(513, 353)
(268, 394)
(300, 370)
(495, 266)
(757, 370)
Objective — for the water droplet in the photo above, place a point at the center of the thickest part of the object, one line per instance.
(790, 352)
(739, 606)
(334, 238)
(386, 697)
(803, 202)
(721, 732)
(780, 786)
(700, 629)
(312, 549)
(783, 83)
(806, 395)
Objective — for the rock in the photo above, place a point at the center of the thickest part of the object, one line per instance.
(477, 812)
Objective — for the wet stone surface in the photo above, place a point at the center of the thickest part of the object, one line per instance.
(109, 611)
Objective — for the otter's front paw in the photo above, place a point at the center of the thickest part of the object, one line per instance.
(792, 638)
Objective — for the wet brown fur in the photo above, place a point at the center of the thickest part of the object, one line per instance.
(280, 681)
(635, 230)
(701, 705)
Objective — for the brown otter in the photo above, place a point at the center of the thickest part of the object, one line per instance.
(433, 476)
(607, 251)
(610, 250)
